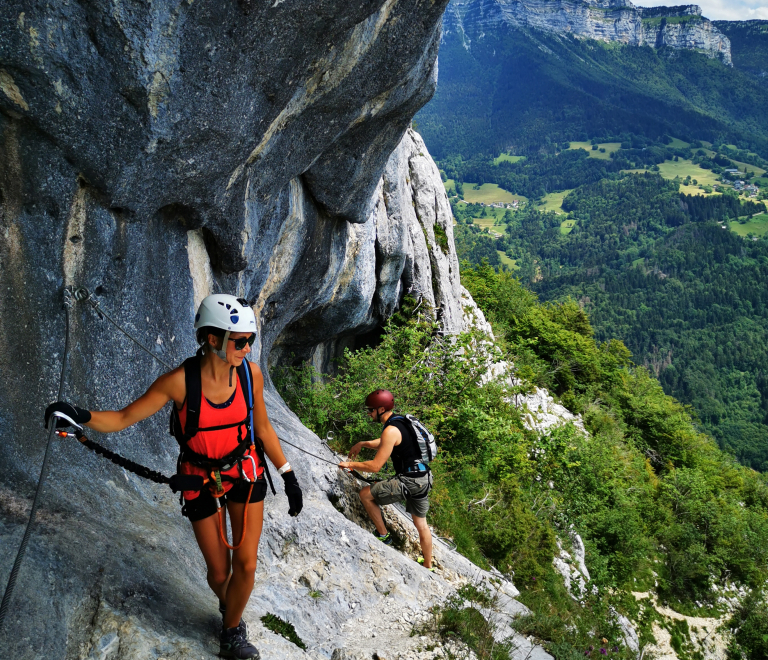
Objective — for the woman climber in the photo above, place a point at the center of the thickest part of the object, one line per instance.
(223, 430)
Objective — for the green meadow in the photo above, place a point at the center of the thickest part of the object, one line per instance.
(553, 202)
(587, 146)
(491, 222)
(509, 158)
(758, 226)
(682, 169)
(759, 171)
(505, 260)
(566, 226)
(489, 193)
(679, 144)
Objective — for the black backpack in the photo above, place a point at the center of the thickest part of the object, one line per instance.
(194, 398)
(425, 441)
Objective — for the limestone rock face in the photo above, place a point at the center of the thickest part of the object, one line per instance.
(201, 110)
(607, 20)
(158, 152)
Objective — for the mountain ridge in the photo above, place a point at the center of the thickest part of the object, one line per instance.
(749, 42)
(678, 28)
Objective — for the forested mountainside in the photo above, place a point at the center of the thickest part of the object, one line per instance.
(658, 270)
(638, 177)
(749, 46)
(521, 89)
(673, 529)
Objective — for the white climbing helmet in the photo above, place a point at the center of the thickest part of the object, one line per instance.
(228, 313)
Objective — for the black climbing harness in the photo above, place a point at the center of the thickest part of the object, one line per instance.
(191, 427)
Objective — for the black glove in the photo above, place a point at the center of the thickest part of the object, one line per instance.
(293, 491)
(78, 415)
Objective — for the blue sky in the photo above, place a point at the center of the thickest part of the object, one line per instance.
(719, 10)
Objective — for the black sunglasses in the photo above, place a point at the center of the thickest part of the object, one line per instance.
(240, 342)
(370, 410)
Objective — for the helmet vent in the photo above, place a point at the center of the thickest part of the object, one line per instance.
(221, 303)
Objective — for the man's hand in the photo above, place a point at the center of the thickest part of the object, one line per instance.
(355, 449)
(346, 465)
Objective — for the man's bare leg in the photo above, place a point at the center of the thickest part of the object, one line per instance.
(374, 512)
(425, 538)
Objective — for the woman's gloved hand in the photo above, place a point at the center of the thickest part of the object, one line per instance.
(77, 415)
(293, 491)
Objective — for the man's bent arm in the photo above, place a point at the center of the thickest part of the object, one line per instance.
(385, 445)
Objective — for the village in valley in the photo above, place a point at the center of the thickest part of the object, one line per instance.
(707, 170)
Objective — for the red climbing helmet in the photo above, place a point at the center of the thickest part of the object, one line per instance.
(380, 399)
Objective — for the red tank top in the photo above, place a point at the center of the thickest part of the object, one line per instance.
(217, 444)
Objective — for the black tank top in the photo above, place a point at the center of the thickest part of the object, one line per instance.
(406, 454)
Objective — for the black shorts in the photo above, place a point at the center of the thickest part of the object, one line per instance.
(204, 504)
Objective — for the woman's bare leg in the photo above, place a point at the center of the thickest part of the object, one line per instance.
(240, 585)
(215, 553)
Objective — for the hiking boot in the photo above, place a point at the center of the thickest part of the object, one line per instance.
(223, 611)
(386, 539)
(234, 643)
(431, 569)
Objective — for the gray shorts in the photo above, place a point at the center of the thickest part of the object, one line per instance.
(391, 491)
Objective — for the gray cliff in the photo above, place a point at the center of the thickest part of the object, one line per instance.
(620, 21)
(158, 152)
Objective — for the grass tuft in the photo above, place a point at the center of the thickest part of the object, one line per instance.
(282, 628)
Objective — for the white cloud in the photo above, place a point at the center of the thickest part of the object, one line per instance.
(720, 10)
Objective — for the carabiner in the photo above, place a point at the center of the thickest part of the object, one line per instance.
(242, 472)
(67, 434)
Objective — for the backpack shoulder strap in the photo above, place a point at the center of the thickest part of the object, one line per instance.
(408, 424)
(394, 418)
(244, 374)
(194, 386)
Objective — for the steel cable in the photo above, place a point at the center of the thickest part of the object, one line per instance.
(43, 472)
(82, 294)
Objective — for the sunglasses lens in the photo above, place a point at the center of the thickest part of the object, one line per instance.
(242, 341)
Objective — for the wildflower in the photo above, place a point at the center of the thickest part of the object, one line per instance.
(603, 651)
(605, 641)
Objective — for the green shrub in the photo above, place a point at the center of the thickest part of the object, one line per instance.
(283, 628)
(651, 496)
(751, 623)
(454, 619)
(441, 238)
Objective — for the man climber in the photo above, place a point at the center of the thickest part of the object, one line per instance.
(413, 479)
